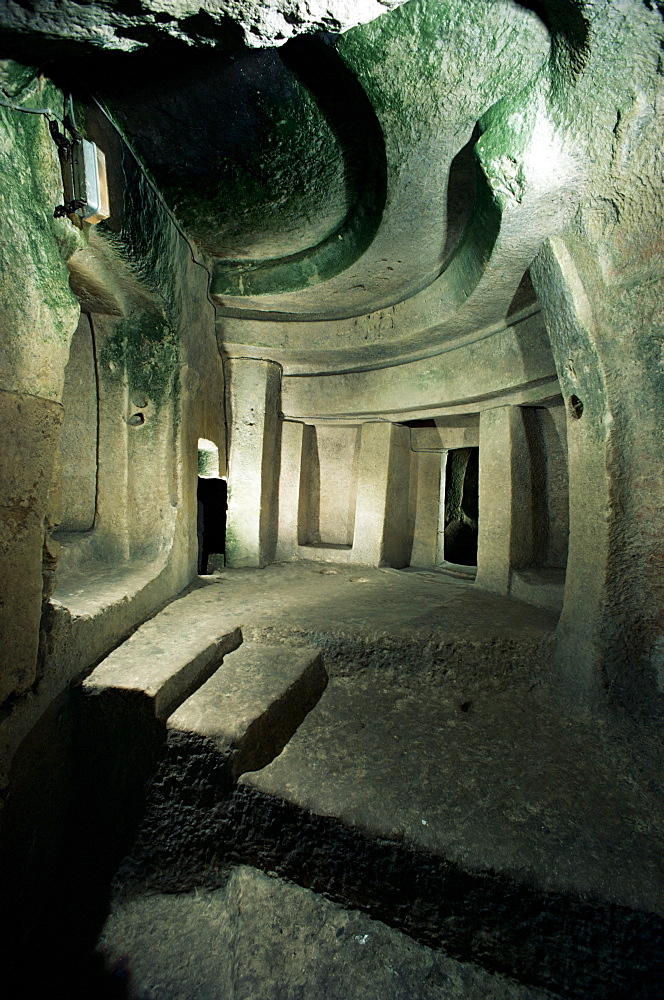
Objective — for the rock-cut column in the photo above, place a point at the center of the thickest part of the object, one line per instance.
(610, 638)
(383, 536)
(253, 394)
(505, 527)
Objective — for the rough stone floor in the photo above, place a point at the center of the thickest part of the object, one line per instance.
(261, 938)
(436, 786)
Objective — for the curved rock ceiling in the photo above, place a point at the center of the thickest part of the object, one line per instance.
(128, 25)
(351, 189)
(334, 175)
(429, 72)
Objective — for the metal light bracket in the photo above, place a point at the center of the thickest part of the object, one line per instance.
(83, 175)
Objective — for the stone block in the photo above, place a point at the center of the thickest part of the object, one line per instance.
(170, 656)
(253, 704)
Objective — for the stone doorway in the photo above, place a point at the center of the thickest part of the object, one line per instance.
(461, 506)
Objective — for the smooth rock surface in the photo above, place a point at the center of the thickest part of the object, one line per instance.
(544, 587)
(254, 702)
(405, 611)
(437, 785)
(259, 938)
(170, 655)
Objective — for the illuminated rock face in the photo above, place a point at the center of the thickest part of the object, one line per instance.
(118, 24)
(402, 271)
(369, 207)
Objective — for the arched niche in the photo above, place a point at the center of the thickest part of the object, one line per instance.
(79, 440)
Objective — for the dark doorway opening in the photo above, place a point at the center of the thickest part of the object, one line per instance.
(212, 497)
(461, 506)
(211, 524)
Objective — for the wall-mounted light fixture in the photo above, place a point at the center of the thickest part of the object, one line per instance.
(83, 175)
(90, 182)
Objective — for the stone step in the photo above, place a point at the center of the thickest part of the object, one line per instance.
(170, 655)
(252, 705)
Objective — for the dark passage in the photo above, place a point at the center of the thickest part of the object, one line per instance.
(211, 520)
(461, 506)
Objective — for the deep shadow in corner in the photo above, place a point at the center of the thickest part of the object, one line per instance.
(75, 799)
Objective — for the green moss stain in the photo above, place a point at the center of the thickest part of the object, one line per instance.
(35, 298)
(344, 224)
(144, 349)
(415, 61)
(16, 79)
(233, 548)
(141, 233)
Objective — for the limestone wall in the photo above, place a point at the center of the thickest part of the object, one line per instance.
(102, 411)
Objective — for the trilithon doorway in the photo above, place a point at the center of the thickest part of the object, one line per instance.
(461, 506)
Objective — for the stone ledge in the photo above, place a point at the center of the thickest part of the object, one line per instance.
(169, 656)
(254, 703)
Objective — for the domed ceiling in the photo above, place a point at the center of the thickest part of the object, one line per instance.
(338, 175)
